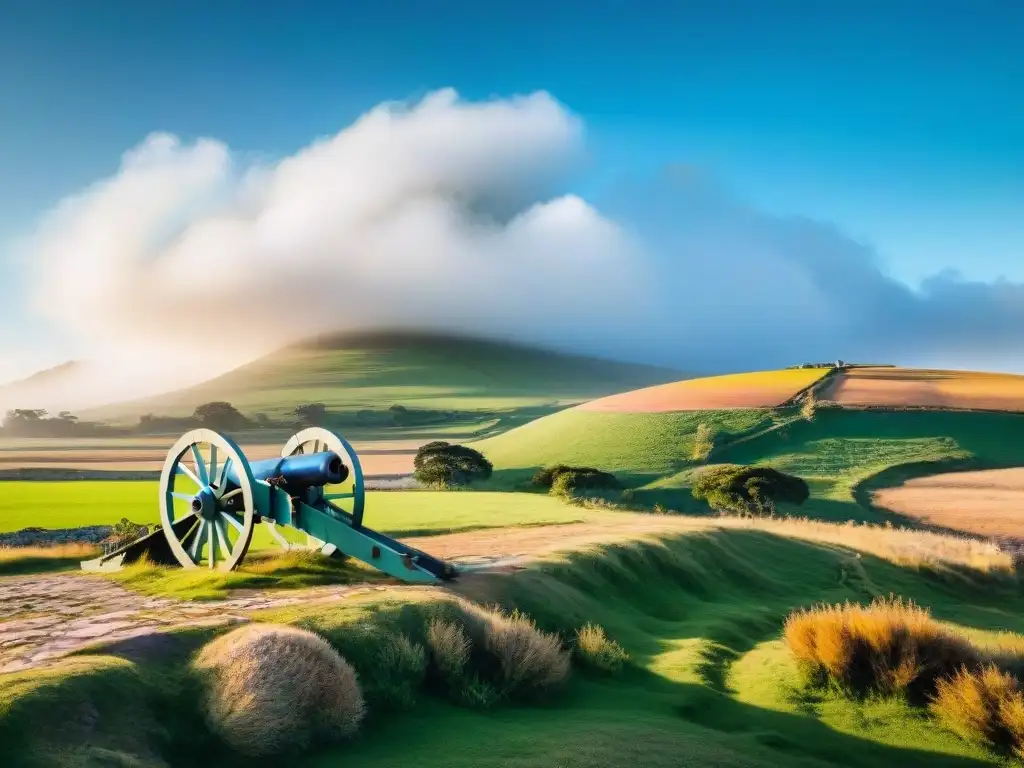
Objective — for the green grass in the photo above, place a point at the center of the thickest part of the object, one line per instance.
(377, 371)
(399, 513)
(841, 453)
(639, 447)
(708, 682)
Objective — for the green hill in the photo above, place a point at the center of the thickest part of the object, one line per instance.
(840, 452)
(374, 371)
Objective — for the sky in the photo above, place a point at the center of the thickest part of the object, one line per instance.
(886, 139)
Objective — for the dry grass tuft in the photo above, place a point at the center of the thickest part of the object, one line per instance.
(449, 648)
(984, 705)
(595, 649)
(890, 646)
(531, 661)
(272, 688)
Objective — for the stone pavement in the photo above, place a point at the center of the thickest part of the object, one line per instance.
(46, 617)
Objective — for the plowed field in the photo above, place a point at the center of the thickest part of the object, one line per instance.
(903, 387)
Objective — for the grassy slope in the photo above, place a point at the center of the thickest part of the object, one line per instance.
(380, 370)
(835, 451)
(709, 682)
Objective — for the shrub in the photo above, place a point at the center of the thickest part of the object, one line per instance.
(449, 648)
(703, 442)
(398, 673)
(809, 405)
(886, 647)
(530, 661)
(581, 481)
(984, 705)
(587, 478)
(748, 490)
(595, 649)
(443, 464)
(273, 688)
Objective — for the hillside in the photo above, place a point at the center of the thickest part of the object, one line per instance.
(836, 450)
(375, 371)
(32, 390)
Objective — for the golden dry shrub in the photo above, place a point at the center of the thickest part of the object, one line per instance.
(889, 646)
(595, 649)
(984, 705)
(273, 688)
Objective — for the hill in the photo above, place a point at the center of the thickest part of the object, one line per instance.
(374, 371)
(840, 450)
(38, 389)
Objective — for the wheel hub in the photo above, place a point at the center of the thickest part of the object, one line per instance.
(205, 504)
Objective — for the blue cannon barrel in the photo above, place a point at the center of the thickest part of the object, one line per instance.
(302, 471)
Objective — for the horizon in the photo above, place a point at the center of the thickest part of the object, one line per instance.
(683, 187)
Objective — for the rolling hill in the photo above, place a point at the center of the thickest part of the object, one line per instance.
(916, 422)
(374, 371)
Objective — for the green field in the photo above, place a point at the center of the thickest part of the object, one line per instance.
(377, 371)
(400, 513)
(708, 682)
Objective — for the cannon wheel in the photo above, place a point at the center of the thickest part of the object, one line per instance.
(348, 497)
(223, 525)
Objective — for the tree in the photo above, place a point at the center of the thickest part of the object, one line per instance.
(311, 414)
(748, 490)
(220, 415)
(442, 464)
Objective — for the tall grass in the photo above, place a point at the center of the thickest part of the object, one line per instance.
(985, 705)
(890, 647)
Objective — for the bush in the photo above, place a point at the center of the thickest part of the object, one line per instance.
(399, 668)
(887, 647)
(530, 661)
(273, 688)
(482, 656)
(748, 490)
(445, 465)
(596, 650)
(583, 478)
(985, 705)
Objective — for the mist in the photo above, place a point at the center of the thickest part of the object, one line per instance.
(458, 216)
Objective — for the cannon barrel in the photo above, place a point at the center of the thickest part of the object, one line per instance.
(300, 471)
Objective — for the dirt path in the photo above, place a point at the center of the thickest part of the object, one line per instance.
(45, 617)
(989, 503)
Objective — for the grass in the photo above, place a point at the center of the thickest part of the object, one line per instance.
(374, 371)
(399, 513)
(61, 557)
(842, 454)
(708, 682)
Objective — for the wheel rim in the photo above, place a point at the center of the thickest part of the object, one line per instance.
(193, 484)
(347, 497)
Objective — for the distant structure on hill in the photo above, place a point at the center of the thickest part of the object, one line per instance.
(841, 364)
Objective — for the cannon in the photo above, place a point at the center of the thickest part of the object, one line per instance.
(211, 498)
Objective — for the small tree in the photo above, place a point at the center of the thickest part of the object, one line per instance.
(809, 405)
(311, 414)
(220, 415)
(441, 464)
(748, 490)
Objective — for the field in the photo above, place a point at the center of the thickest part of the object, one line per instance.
(763, 389)
(899, 387)
(128, 457)
(989, 503)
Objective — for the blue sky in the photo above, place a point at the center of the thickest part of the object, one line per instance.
(900, 122)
